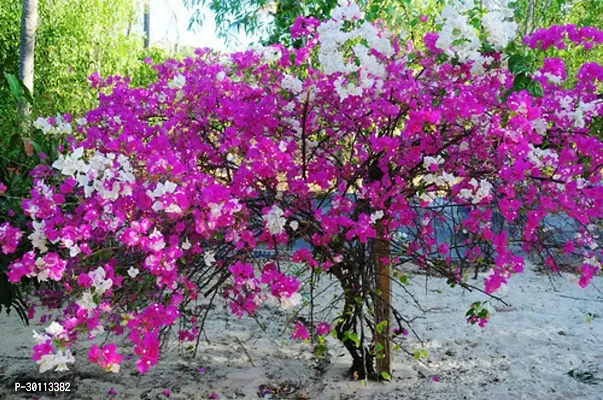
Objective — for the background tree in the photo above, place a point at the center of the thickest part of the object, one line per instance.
(27, 43)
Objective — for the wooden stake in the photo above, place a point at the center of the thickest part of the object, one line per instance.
(382, 302)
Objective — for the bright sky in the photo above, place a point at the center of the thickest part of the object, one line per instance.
(169, 23)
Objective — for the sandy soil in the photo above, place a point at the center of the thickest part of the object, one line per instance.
(526, 351)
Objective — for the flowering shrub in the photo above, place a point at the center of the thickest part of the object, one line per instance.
(354, 138)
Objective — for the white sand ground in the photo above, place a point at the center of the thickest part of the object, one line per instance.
(525, 352)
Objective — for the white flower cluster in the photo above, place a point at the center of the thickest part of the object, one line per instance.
(499, 23)
(346, 10)
(576, 114)
(551, 77)
(542, 157)
(290, 302)
(93, 175)
(60, 126)
(429, 161)
(458, 37)
(482, 190)
(275, 221)
(178, 82)
(269, 54)
(100, 284)
(58, 360)
(344, 91)
(284, 302)
(292, 83)
(332, 57)
(37, 237)
(540, 125)
(160, 190)
(70, 164)
(87, 301)
(441, 181)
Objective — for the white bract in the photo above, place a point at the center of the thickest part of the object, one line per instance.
(344, 91)
(40, 338)
(186, 245)
(499, 23)
(58, 361)
(87, 301)
(55, 329)
(290, 302)
(540, 125)
(458, 37)
(268, 54)
(178, 82)
(376, 216)
(209, 258)
(37, 237)
(71, 164)
(275, 221)
(133, 272)
(333, 54)
(480, 191)
(158, 240)
(429, 161)
(101, 285)
(60, 125)
(292, 83)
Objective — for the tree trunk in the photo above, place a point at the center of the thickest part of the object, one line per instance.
(147, 24)
(362, 359)
(29, 23)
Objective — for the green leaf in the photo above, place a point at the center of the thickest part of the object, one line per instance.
(385, 376)
(535, 89)
(36, 146)
(17, 88)
(15, 142)
(380, 326)
(353, 336)
(521, 82)
(320, 350)
(378, 348)
(13, 85)
(514, 62)
(459, 41)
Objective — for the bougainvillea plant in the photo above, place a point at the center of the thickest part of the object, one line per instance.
(162, 193)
